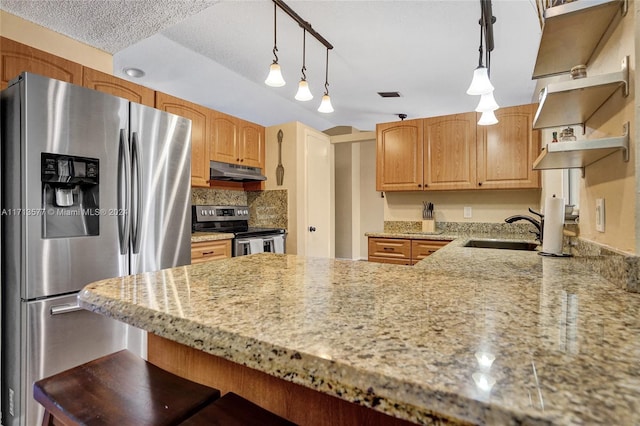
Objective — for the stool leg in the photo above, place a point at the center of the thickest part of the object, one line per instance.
(47, 419)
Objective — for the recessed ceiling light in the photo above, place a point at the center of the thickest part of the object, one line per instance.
(389, 94)
(134, 72)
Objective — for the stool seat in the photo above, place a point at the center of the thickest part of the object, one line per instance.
(120, 389)
(233, 410)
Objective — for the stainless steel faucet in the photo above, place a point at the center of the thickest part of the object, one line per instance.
(539, 224)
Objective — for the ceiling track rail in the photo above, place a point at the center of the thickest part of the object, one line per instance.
(304, 24)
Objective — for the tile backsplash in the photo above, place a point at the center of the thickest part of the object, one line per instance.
(218, 197)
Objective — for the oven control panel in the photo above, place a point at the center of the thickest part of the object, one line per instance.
(218, 213)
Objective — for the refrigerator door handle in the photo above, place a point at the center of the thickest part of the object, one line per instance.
(65, 309)
(137, 198)
(123, 192)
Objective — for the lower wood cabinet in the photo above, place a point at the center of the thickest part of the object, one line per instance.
(210, 250)
(402, 251)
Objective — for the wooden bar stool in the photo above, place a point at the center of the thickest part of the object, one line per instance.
(233, 410)
(120, 389)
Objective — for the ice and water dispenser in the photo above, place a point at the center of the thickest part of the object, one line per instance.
(70, 196)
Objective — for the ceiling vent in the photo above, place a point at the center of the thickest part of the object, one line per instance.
(389, 94)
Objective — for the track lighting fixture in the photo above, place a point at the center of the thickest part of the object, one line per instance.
(275, 75)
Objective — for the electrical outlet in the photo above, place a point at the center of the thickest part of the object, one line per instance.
(467, 213)
(600, 214)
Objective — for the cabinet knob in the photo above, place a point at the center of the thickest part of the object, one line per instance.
(426, 185)
(312, 229)
(419, 186)
(204, 253)
(388, 249)
(479, 183)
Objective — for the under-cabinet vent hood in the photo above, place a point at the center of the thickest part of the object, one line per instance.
(236, 173)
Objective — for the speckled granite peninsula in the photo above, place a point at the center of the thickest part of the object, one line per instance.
(473, 335)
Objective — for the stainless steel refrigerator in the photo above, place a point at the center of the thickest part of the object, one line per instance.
(93, 187)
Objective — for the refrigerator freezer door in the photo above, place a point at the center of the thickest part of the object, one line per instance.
(62, 118)
(60, 335)
(161, 189)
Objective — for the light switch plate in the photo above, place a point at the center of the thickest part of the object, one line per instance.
(600, 214)
(467, 213)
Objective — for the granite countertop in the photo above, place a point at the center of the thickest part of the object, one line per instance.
(479, 335)
(197, 237)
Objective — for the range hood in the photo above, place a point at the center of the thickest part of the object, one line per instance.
(236, 173)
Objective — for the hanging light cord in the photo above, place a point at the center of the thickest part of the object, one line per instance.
(326, 75)
(480, 48)
(304, 53)
(275, 32)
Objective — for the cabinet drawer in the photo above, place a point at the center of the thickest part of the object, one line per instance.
(423, 248)
(390, 248)
(210, 250)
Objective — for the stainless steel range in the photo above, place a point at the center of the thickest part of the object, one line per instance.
(235, 220)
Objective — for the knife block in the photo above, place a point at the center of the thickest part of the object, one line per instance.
(429, 225)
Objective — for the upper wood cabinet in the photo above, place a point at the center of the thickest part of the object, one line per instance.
(399, 156)
(236, 141)
(251, 144)
(199, 117)
(106, 83)
(453, 153)
(224, 138)
(16, 58)
(507, 150)
(450, 152)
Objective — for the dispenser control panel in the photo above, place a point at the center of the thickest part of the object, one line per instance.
(57, 168)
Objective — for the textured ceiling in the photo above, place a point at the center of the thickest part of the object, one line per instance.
(218, 53)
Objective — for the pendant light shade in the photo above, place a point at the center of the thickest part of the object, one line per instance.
(487, 118)
(303, 94)
(275, 79)
(487, 103)
(480, 85)
(325, 105)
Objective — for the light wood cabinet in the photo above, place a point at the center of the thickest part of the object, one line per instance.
(252, 144)
(399, 164)
(507, 150)
(199, 117)
(449, 158)
(236, 141)
(423, 248)
(206, 251)
(453, 153)
(390, 250)
(402, 251)
(16, 58)
(106, 83)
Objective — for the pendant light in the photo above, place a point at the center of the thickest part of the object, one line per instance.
(304, 94)
(487, 118)
(275, 79)
(325, 105)
(487, 103)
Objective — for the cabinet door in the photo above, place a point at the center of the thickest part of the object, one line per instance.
(199, 117)
(106, 83)
(506, 150)
(210, 250)
(399, 156)
(450, 152)
(251, 144)
(224, 138)
(17, 57)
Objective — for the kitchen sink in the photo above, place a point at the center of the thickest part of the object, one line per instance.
(502, 244)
